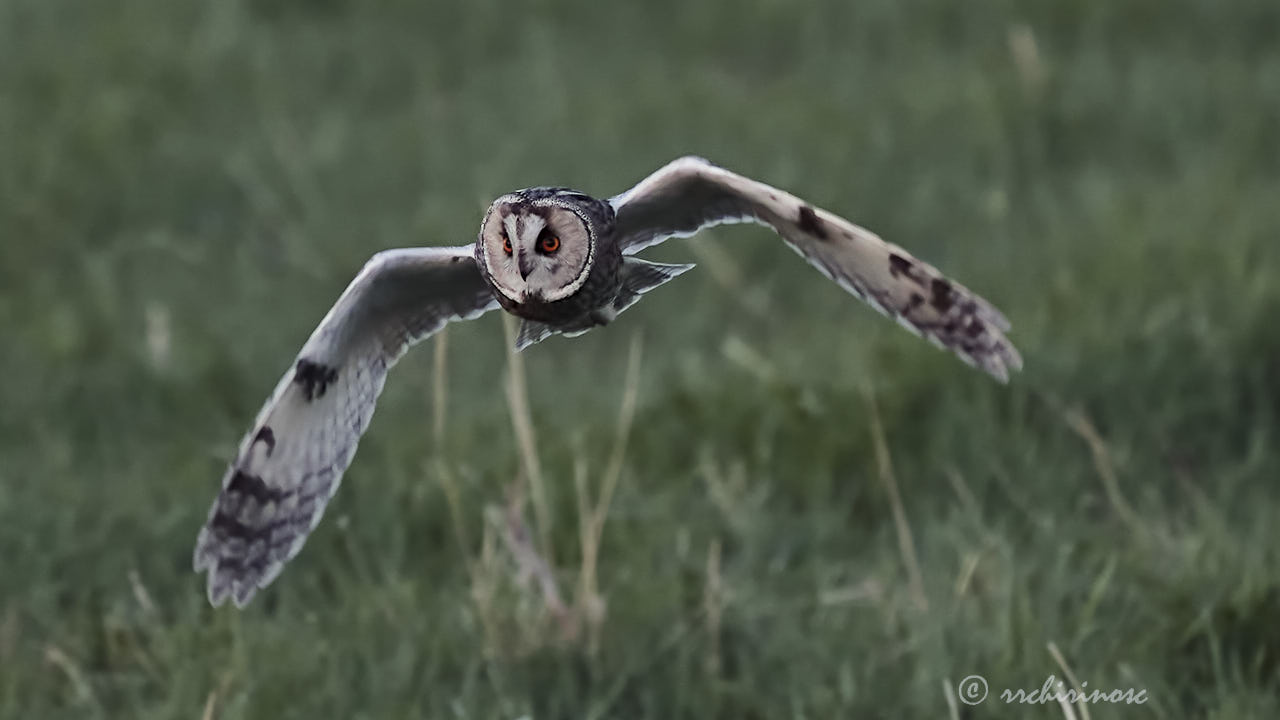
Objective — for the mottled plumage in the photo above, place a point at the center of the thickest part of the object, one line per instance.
(564, 262)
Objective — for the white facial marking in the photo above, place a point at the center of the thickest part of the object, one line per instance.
(532, 272)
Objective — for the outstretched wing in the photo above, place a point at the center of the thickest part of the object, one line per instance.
(691, 193)
(290, 463)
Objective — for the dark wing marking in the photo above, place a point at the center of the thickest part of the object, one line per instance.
(291, 461)
(690, 194)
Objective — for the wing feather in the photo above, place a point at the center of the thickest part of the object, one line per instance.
(291, 461)
(690, 194)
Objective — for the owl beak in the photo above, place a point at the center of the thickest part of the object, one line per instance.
(526, 265)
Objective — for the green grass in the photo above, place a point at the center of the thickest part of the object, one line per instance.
(185, 187)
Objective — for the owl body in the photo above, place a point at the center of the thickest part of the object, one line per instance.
(564, 262)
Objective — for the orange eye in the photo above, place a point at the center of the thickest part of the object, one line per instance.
(506, 244)
(550, 243)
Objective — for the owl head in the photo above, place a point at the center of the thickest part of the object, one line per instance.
(537, 245)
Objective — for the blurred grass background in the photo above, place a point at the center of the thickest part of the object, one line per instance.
(185, 188)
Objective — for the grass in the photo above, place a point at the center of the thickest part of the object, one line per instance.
(805, 513)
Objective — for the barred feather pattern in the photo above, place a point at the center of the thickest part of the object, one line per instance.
(690, 194)
(291, 463)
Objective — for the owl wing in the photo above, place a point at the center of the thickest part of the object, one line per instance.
(690, 194)
(290, 463)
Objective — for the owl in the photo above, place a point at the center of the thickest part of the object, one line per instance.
(563, 262)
